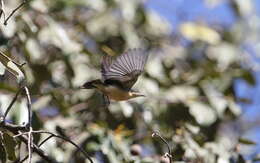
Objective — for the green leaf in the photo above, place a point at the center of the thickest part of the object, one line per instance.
(241, 159)
(249, 78)
(36, 124)
(2, 152)
(11, 67)
(9, 144)
(246, 141)
(257, 158)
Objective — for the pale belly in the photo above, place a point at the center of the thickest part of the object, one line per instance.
(116, 94)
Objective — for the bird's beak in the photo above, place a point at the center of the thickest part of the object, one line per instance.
(141, 94)
(81, 87)
(138, 94)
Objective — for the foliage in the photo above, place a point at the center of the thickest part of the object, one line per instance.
(189, 82)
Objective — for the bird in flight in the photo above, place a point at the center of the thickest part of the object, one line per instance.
(119, 74)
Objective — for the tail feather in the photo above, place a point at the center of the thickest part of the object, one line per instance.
(92, 84)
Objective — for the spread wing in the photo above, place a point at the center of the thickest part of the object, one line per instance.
(124, 69)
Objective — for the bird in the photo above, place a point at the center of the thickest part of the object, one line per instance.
(119, 74)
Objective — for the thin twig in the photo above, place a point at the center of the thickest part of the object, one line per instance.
(68, 140)
(20, 134)
(45, 140)
(11, 127)
(11, 60)
(25, 158)
(58, 136)
(30, 140)
(38, 151)
(2, 9)
(29, 144)
(14, 10)
(30, 136)
(1, 12)
(29, 106)
(169, 155)
(11, 104)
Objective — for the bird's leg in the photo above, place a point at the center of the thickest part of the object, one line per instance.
(106, 101)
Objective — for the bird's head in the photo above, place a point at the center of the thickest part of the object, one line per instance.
(134, 94)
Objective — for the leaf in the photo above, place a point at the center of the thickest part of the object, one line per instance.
(36, 124)
(2, 152)
(212, 3)
(203, 113)
(2, 69)
(55, 34)
(224, 53)
(11, 66)
(241, 159)
(246, 141)
(9, 144)
(182, 93)
(234, 107)
(249, 77)
(257, 158)
(197, 32)
(216, 98)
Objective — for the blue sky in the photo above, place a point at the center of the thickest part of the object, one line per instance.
(178, 10)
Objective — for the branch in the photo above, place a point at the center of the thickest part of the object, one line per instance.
(39, 151)
(11, 104)
(29, 125)
(29, 107)
(2, 10)
(20, 131)
(11, 127)
(25, 158)
(15, 129)
(157, 134)
(57, 136)
(65, 139)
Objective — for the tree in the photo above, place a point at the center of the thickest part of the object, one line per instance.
(189, 82)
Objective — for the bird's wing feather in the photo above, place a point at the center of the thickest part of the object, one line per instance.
(125, 68)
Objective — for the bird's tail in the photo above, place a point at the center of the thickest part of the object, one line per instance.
(92, 84)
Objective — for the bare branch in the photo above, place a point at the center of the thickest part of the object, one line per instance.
(30, 136)
(25, 158)
(157, 134)
(65, 139)
(54, 135)
(45, 140)
(38, 151)
(2, 12)
(11, 127)
(29, 107)
(11, 104)
(15, 129)
(14, 10)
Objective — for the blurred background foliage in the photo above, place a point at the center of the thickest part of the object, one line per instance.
(189, 80)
